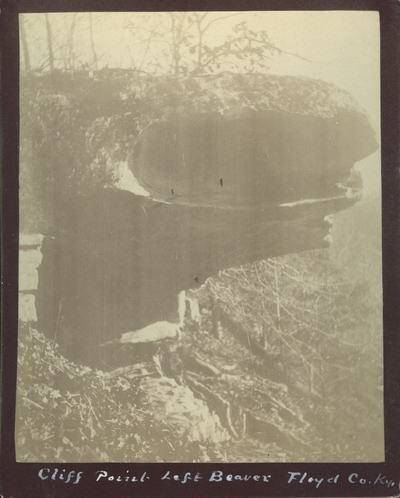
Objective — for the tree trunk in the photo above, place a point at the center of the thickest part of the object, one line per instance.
(24, 43)
(50, 43)
(95, 58)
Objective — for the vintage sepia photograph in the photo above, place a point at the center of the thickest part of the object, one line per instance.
(200, 241)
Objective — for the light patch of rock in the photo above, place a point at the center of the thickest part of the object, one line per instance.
(178, 406)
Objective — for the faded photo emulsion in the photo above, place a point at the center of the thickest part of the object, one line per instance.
(200, 274)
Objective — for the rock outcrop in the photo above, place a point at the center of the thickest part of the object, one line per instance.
(239, 168)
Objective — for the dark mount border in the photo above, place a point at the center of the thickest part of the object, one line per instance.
(20, 480)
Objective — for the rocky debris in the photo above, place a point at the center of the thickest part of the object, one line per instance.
(177, 405)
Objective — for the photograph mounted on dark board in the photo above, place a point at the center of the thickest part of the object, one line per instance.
(200, 273)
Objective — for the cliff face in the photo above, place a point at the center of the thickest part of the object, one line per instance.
(239, 168)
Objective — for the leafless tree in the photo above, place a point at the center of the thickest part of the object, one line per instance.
(95, 57)
(24, 43)
(49, 42)
(189, 47)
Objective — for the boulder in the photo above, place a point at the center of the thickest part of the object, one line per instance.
(243, 140)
